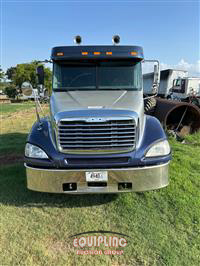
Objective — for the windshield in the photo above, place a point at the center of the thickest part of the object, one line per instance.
(179, 85)
(101, 75)
(177, 82)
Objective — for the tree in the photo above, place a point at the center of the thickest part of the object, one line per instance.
(2, 79)
(2, 74)
(11, 91)
(27, 72)
(10, 73)
(48, 79)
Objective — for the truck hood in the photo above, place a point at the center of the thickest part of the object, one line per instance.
(81, 100)
(76, 103)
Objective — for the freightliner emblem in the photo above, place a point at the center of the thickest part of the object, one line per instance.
(95, 119)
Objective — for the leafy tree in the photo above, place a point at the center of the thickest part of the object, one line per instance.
(11, 72)
(2, 79)
(2, 74)
(27, 72)
(48, 79)
(11, 91)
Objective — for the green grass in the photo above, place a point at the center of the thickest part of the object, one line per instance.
(12, 143)
(16, 121)
(8, 108)
(164, 224)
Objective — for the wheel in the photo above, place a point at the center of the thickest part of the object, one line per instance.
(149, 106)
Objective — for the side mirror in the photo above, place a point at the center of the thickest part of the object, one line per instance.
(40, 74)
(27, 88)
(151, 80)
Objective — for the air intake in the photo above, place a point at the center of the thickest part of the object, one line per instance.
(109, 136)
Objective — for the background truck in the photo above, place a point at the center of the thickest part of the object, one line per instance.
(186, 89)
(166, 81)
(97, 138)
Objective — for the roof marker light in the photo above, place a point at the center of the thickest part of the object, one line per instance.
(84, 53)
(97, 53)
(109, 53)
(134, 53)
(60, 54)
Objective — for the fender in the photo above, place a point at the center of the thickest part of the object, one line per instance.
(153, 132)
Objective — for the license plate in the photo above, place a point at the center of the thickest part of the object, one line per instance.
(96, 176)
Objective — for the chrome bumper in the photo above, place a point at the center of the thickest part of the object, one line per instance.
(141, 178)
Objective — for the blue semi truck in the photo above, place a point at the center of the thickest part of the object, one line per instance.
(97, 138)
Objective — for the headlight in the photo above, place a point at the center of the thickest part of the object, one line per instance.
(34, 152)
(160, 148)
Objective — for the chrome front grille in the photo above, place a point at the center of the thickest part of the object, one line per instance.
(107, 136)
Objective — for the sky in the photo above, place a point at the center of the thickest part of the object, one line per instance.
(167, 30)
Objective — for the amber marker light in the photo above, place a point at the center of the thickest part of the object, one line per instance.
(108, 53)
(134, 53)
(97, 53)
(84, 53)
(60, 54)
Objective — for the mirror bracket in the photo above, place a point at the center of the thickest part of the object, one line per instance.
(156, 79)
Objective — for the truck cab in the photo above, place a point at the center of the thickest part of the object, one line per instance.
(97, 138)
(186, 89)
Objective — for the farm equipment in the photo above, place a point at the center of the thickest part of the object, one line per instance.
(97, 138)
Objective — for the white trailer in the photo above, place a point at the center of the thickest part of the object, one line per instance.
(166, 81)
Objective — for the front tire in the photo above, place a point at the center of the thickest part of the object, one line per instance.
(149, 106)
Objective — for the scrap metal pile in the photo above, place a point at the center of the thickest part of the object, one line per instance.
(179, 118)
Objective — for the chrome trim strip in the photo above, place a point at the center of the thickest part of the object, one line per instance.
(107, 169)
(107, 118)
(96, 125)
(109, 137)
(96, 134)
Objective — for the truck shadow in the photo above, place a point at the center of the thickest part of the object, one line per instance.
(12, 144)
(13, 192)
